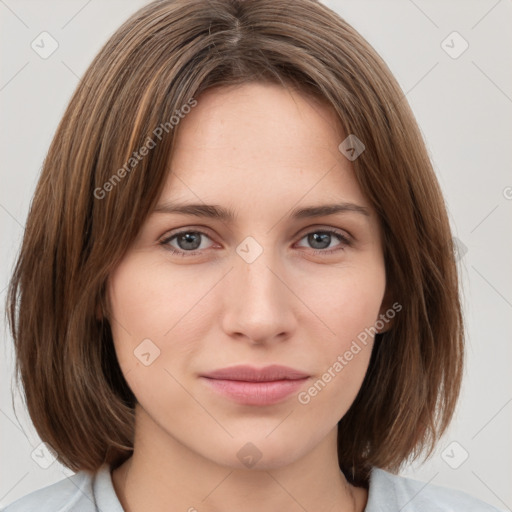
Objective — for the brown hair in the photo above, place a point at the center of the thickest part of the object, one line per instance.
(85, 214)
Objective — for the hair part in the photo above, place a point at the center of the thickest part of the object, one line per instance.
(163, 56)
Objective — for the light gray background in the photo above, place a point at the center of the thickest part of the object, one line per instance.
(463, 107)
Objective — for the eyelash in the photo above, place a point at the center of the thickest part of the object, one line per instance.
(345, 241)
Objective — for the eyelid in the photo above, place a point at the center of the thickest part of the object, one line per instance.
(305, 231)
(187, 229)
(323, 227)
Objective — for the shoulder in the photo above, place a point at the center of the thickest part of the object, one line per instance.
(394, 492)
(71, 493)
(80, 492)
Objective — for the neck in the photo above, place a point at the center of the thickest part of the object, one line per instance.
(163, 474)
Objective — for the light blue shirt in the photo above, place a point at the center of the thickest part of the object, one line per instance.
(94, 492)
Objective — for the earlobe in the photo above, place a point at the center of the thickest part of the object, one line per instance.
(101, 310)
(385, 321)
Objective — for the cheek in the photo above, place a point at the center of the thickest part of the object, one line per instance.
(350, 310)
(146, 302)
(349, 301)
(157, 321)
(341, 366)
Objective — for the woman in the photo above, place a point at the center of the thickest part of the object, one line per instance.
(237, 287)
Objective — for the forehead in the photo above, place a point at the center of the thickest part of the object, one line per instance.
(257, 144)
(274, 117)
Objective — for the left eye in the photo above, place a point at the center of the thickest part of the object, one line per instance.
(189, 242)
(322, 239)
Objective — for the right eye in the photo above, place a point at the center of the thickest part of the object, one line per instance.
(188, 242)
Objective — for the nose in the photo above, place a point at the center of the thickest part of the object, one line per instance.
(259, 303)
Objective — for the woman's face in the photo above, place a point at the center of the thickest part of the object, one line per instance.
(268, 286)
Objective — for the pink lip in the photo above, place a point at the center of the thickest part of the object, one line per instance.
(252, 386)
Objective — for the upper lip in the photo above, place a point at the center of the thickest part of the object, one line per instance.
(251, 374)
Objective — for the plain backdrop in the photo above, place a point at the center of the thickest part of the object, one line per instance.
(463, 103)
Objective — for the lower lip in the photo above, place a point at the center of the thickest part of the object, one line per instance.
(256, 393)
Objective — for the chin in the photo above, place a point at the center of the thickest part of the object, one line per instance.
(259, 453)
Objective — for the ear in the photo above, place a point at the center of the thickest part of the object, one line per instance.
(387, 313)
(102, 309)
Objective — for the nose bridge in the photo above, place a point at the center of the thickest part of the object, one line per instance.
(259, 305)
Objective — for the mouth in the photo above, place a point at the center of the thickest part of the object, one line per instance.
(252, 386)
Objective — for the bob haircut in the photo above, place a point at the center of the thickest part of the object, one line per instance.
(95, 192)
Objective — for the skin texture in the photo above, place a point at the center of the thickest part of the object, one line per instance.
(262, 151)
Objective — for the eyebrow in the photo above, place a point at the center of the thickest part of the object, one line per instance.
(226, 214)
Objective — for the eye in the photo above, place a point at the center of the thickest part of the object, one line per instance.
(321, 240)
(188, 242)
